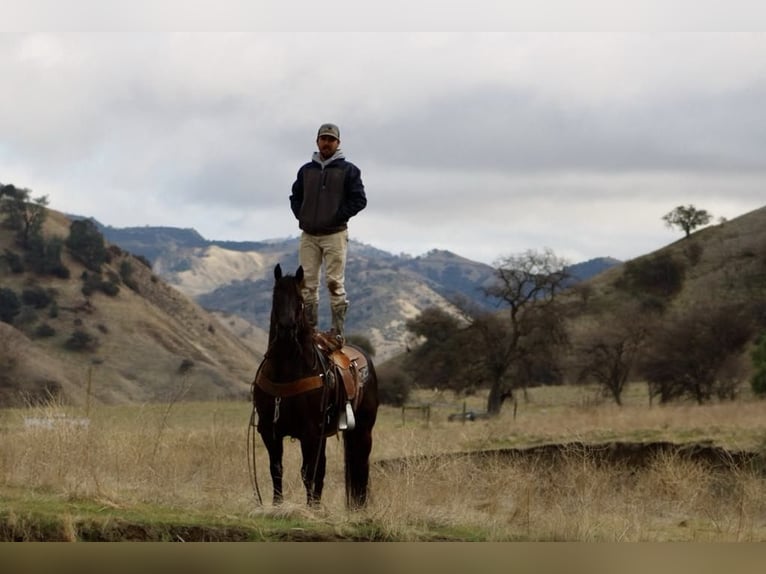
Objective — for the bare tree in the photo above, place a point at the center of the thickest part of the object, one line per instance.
(611, 350)
(528, 284)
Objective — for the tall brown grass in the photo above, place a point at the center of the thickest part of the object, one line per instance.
(193, 457)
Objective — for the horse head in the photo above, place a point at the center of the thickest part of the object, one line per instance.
(287, 315)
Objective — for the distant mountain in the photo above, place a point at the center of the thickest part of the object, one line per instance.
(587, 269)
(384, 290)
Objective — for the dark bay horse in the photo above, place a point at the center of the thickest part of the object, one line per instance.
(299, 392)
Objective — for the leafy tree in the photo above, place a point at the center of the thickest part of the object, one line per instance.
(687, 218)
(25, 217)
(528, 285)
(10, 306)
(437, 361)
(689, 357)
(86, 243)
(434, 324)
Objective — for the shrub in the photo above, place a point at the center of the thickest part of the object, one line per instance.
(10, 306)
(8, 357)
(110, 288)
(44, 257)
(37, 297)
(94, 282)
(394, 386)
(659, 275)
(693, 252)
(185, 366)
(126, 274)
(44, 330)
(758, 356)
(87, 244)
(758, 383)
(14, 261)
(89, 283)
(81, 340)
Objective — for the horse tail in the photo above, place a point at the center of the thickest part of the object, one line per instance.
(356, 448)
(357, 444)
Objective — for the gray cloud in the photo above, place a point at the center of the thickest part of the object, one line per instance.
(479, 143)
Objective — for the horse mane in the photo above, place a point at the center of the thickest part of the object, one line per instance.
(301, 340)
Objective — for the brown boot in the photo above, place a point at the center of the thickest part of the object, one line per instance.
(339, 318)
(311, 311)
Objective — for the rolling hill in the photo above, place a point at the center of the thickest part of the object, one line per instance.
(147, 342)
(193, 325)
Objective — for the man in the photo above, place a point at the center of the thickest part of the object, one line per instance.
(326, 194)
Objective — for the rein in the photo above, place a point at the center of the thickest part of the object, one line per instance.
(251, 444)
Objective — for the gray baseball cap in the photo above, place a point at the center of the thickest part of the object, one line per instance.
(329, 130)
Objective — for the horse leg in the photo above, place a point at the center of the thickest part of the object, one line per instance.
(275, 447)
(313, 468)
(357, 445)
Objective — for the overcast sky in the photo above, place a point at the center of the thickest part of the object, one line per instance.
(483, 143)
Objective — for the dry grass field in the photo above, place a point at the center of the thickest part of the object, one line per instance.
(179, 470)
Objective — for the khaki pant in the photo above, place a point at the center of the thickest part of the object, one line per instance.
(332, 249)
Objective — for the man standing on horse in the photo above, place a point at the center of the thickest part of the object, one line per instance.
(327, 192)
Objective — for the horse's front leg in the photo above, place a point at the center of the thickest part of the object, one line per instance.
(275, 447)
(313, 468)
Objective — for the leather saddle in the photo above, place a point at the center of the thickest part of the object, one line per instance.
(350, 364)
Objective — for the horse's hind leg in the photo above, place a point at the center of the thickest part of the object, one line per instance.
(275, 448)
(357, 445)
(313, 468)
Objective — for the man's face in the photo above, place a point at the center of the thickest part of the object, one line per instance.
(327, 145)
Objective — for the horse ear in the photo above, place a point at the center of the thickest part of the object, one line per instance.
(278, 272)
(299, 273)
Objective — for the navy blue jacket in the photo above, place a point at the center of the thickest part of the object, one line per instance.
(324, 198)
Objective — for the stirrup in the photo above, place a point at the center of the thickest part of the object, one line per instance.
(346, 420)
(337, 337)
